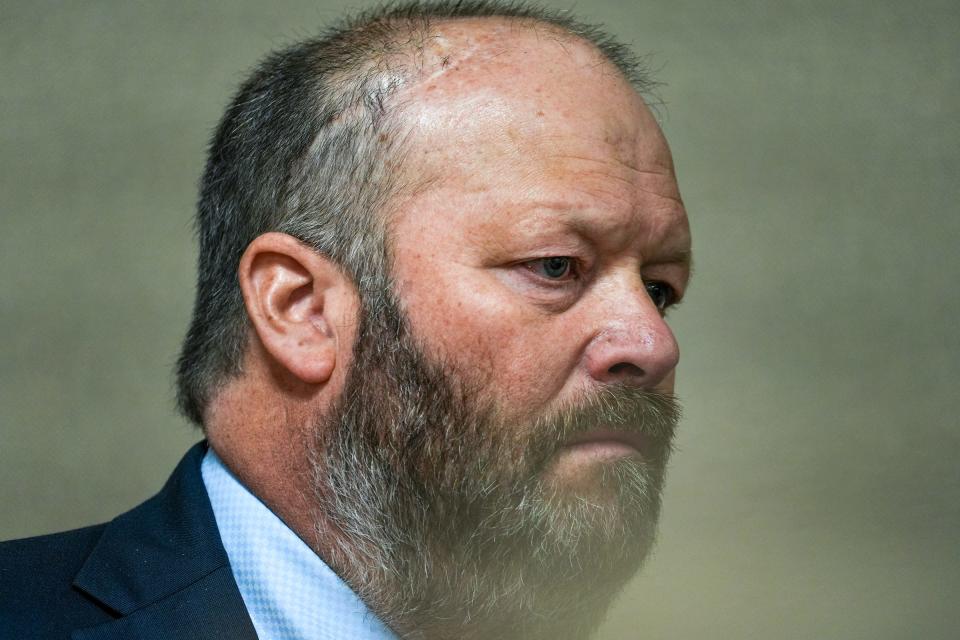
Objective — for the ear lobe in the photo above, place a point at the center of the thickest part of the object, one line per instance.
(295, 299)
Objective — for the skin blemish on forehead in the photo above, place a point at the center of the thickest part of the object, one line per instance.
(439, 44)
(457, 44)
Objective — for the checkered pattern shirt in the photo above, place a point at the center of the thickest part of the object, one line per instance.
(289, 591)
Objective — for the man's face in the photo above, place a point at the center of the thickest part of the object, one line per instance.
(549, 233)
(497, 455)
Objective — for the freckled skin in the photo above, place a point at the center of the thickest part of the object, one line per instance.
(537, 148)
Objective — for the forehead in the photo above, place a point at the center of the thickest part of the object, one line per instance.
(500, 75)
(511, 114)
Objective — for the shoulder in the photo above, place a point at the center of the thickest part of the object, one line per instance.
(36, 574)
(158, 570)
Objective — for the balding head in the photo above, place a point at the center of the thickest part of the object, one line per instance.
(308, 147)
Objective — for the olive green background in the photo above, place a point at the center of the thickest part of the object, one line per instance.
(816, 491)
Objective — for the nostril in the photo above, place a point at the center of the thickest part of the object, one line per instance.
(625, 370)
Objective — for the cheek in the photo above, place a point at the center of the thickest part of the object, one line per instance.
(467, 319)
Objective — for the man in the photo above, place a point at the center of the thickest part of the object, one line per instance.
(428, 352)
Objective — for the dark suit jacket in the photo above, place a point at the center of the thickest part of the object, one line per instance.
(157, 572)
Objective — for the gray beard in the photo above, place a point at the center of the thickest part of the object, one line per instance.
(436, 509)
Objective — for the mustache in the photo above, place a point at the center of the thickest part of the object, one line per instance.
(623, 408)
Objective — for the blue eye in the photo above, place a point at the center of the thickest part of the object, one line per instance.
(662, 294)
(553, 268)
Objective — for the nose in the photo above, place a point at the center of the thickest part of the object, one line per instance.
(633, 344)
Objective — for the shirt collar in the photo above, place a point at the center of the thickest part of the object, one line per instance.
(289, 591)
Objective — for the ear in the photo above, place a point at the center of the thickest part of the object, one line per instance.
(301, 305)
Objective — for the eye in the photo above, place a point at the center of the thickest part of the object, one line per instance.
(553, 268)
(662, 294)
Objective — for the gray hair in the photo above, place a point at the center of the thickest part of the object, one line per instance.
(305, 148)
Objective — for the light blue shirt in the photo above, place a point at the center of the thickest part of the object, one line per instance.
(289, 591)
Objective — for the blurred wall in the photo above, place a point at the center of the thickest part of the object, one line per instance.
(816, 491)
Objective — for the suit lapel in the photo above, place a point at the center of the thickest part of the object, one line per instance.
(161, 569)
(209, 609)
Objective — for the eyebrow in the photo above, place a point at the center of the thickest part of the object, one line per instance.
(682, 256)
(676, 254)
(585, 226)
